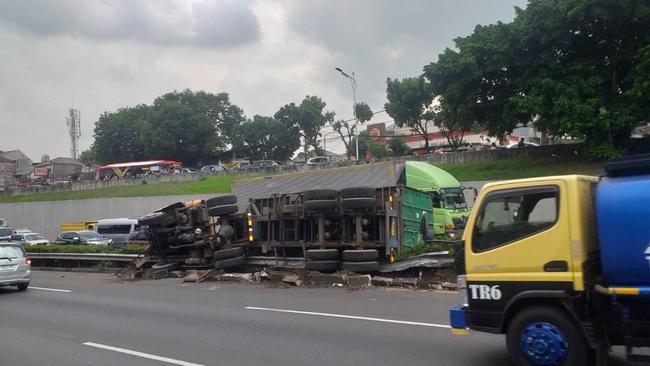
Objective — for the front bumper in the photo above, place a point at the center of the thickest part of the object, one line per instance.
(458, 320)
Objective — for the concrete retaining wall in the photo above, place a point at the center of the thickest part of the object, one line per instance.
(46, 217)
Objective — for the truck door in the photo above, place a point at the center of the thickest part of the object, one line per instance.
(518, 242)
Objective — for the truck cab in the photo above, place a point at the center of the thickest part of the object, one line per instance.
(527, 248)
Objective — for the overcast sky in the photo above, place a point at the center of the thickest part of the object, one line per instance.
(99, 55)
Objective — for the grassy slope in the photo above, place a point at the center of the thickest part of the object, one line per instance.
(487, 170)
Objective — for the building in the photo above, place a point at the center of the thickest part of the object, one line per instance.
(21, 166)
(58, 169)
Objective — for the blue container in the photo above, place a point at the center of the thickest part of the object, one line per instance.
(623, 215)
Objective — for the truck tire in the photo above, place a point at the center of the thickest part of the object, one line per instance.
(364, 255)
(221, 200)
(223, 210)
(320, 194)
(357, 192)
(544, 335)
(322, 254)
(331, 265)
(358, 203)
(23, 286)
(361, 267)
(320, 205)
(154, 218)
(230, 262)
(228, 253)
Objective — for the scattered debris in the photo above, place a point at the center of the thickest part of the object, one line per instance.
(382, 281)
(357, 281)
(326, 279)
(236, 277)
(177, 274)
(449, 286)
(292, 279)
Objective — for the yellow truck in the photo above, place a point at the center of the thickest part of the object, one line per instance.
(560, 265)
(76, 226)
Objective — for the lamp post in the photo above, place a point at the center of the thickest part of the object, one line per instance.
(353, 82)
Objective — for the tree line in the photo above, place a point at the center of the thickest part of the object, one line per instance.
(570, 68)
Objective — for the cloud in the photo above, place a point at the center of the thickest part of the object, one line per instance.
(210, 24)
(100, 55)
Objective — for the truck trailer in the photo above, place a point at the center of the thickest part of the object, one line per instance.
(560, 265)
(349, 218)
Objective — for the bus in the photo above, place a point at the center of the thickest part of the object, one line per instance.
(137, 168)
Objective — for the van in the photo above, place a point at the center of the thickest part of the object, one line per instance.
(117, 229)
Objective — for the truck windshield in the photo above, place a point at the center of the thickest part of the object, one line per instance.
(453, 198)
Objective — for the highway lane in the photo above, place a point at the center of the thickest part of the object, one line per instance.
(103, 322)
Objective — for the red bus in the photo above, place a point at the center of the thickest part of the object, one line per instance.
(137, 168)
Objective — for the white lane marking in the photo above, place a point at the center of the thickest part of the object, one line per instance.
(351, 317)
(48, 289)
(141, 354)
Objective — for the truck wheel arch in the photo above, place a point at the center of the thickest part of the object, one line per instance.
(528, 298)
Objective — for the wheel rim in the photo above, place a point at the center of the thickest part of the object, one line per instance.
(544, 344)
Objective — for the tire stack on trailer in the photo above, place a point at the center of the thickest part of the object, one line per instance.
(320, 200)
(361, 261)
(358, 198)
(323, 260)
(221, 207)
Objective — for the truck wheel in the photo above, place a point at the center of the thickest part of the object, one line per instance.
(320, 205)
(153, 218)
(363, 255)
(357, 192)
(320, 194)
(221, 200)
(228, 253)
(358, 203)
(545, 336)
(322, 254)
(223, 210)
(361, 267)
(332, 265)
(230, 262)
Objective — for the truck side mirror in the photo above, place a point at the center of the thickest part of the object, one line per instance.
(425, 230)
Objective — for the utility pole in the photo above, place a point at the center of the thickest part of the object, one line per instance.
(74, 129)
(353, 82)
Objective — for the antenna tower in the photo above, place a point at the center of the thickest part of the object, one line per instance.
(74, 128)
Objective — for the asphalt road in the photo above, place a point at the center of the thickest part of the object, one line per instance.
(98, 321)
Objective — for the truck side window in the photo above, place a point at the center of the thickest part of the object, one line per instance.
(512, 215)
(435, 199)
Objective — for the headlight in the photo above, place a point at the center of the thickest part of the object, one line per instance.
(461, 282)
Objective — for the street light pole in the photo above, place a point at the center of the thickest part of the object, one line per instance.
(353, 82)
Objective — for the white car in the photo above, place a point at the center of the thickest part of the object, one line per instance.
(526, 143)
(29, 239)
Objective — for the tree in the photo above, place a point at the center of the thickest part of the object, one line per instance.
(87, 157)
(366, 143)
(398, 147)
(224, 115)
(410, 104)
(265, 138)
(174, 131)
(306, 119)
(347, 129)
(118, 135)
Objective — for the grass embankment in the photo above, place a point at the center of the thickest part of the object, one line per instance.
(522, 168)
(481, 171)
(76, 248)
(218, 184)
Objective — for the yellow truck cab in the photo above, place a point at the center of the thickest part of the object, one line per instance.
(527, 248)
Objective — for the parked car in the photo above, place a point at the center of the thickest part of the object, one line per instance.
(212, 168)
(21, 231)
(82, 237)
(318, 160)
(117, 229)
(29, 239)
(5, 233)
(186, 171)
(265, 163)
(515, 145)
(15, 266)
(139, 236)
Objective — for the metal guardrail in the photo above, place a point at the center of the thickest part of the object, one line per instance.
(426, 260)
(84, 256)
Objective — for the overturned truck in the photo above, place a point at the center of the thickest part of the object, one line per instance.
(351, 218)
